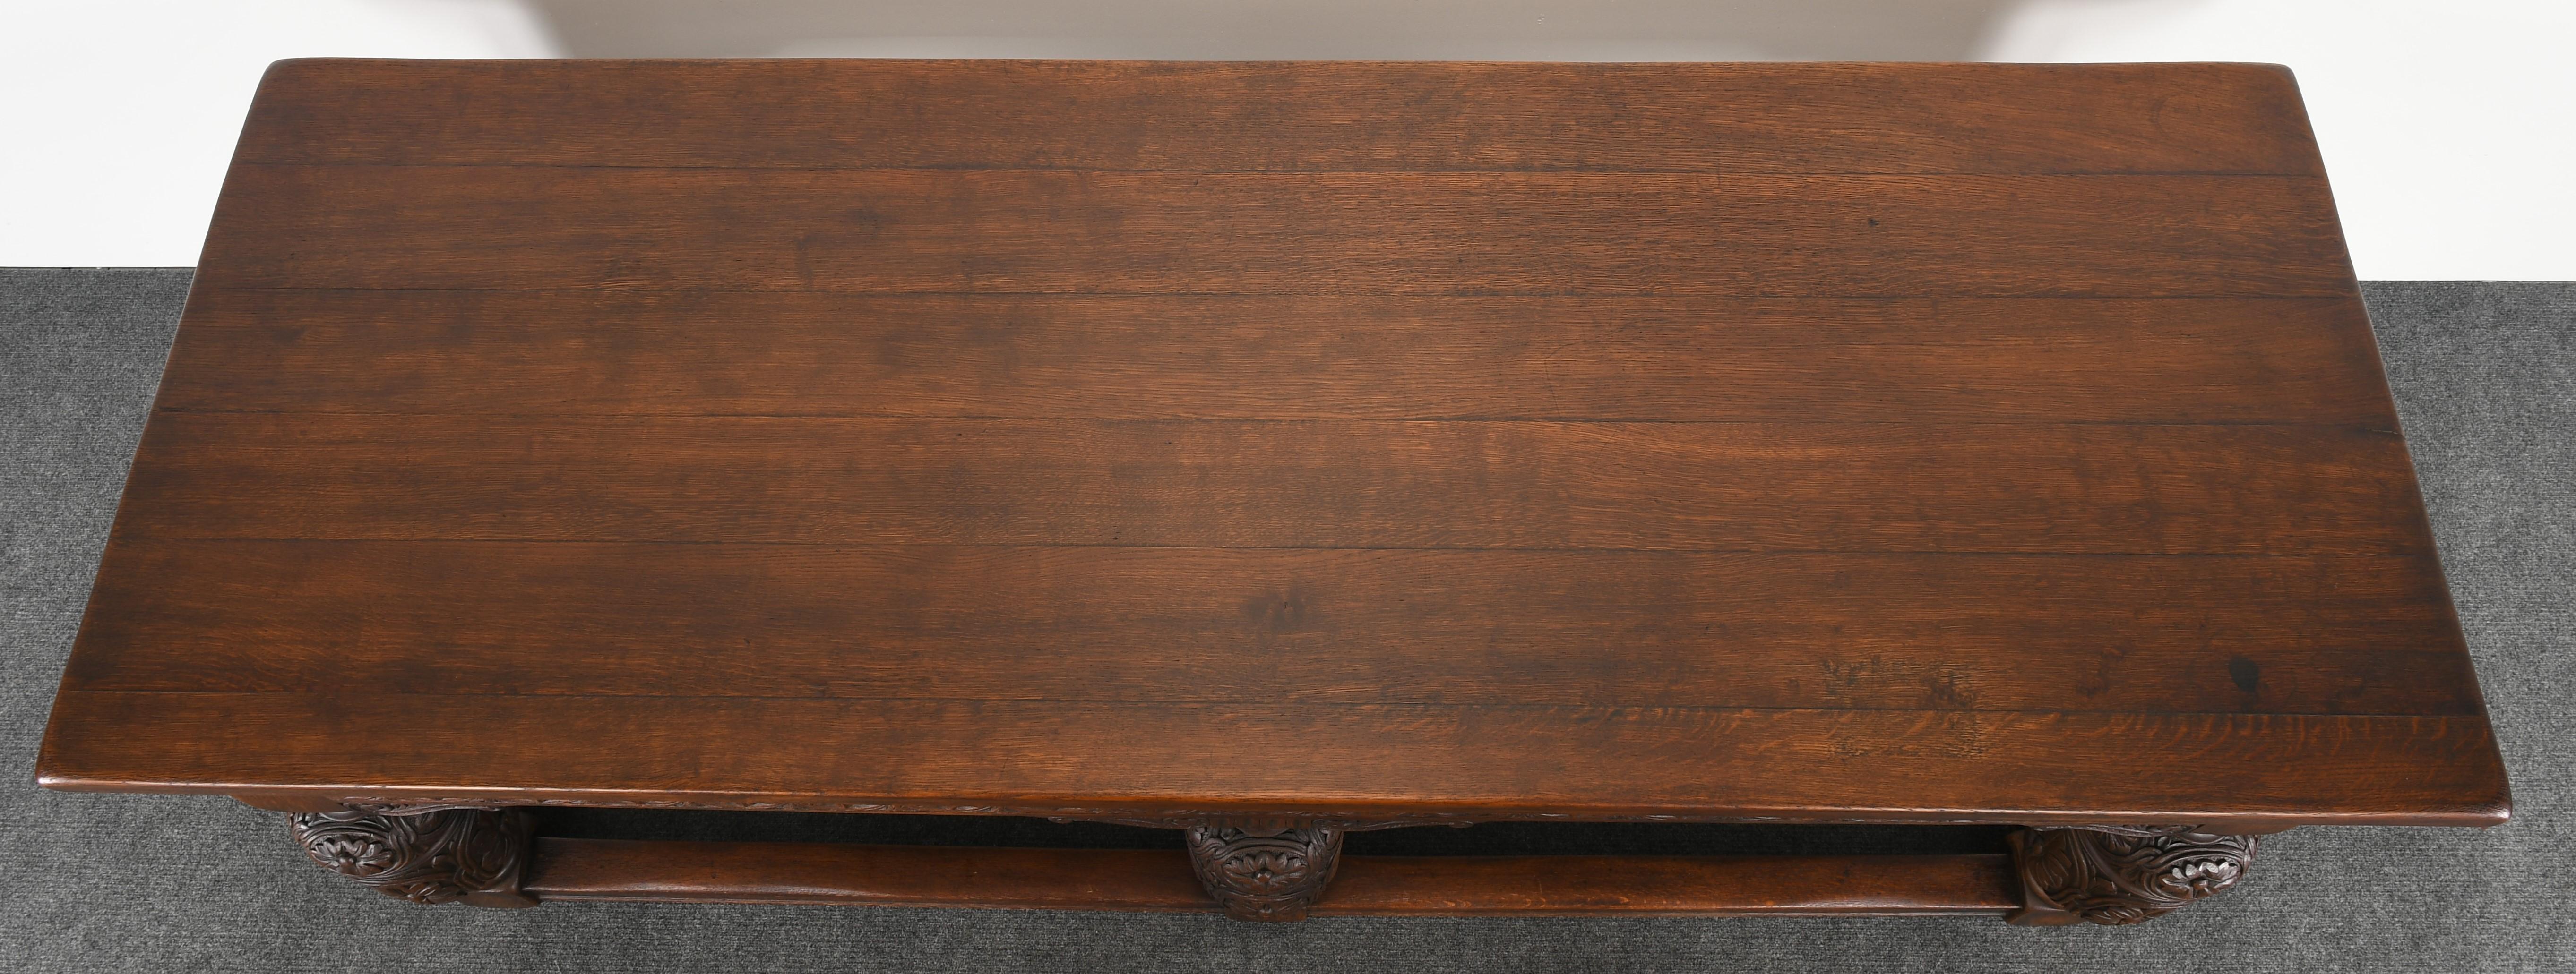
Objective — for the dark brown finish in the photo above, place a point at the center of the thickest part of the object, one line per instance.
(1132, 759)
(2323, 634)
(1314, 446)
(788, 872)
(1100, 879)
(1003, 231)
(1703, 885)
(1264, 867)
(608, 353)
(2071, 489)
(2114, 875)
(2205, 119)
(434, 855)
(297, 803)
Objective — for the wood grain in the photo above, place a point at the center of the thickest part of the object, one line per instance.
(521, 228)
(1599, 628)
(1028, 757)
(1809, 118)
(1279, 357)
(845, 874)
(1684, 486)
(1668, 885)
(1098, 879)
(1813, 443)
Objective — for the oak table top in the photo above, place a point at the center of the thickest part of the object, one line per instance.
(1381, 442)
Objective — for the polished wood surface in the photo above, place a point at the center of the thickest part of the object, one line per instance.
(1137, 357)
(1018, 231)
(1427, 441)
(2225, 119)
(875, 875)
(1159, 881)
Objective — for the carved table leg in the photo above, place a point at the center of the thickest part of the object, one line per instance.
(1265, 868)
(2113, 875)
(436, 855)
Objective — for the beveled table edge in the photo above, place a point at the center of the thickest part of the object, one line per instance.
(327, 798)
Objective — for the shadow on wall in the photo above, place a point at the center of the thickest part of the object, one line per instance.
(2431, 116)
(1635, 30)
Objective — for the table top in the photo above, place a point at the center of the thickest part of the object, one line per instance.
(1730, 442)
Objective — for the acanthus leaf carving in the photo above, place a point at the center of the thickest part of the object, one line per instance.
(1264, 867)
(2115, 875)
(437, 855)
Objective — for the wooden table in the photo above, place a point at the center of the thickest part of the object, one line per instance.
(1276, 451)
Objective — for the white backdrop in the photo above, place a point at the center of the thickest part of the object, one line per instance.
(2449, 128)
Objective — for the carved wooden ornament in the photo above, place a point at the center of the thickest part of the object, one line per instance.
(439, 855)
(2116, 875)
(1265, 868)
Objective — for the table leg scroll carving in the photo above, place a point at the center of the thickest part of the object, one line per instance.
(2121, 874)
(438, 855)
(1265, 868)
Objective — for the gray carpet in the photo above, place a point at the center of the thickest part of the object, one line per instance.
(2485, 375)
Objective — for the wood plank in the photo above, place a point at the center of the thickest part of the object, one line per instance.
(2286, 635)
(864, 875)
(1045, 757)
(1161, 881)
(1798, 443)
(513, 228)
(1279, 356)
(1803, 486)
(1670, 885)
(1871, 118)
